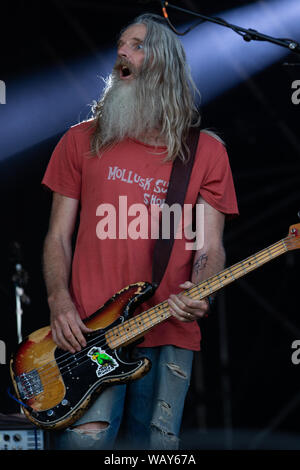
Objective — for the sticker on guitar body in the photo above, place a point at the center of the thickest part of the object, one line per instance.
(105, 362)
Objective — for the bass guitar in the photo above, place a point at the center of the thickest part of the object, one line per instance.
(55, 387)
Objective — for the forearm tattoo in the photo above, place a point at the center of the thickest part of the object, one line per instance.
(200, 263)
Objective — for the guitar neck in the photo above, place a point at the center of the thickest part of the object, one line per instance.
(137, 326)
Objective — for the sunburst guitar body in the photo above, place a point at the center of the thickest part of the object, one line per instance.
(55, 386)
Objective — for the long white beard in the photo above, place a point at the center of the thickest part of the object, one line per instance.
(129, 109)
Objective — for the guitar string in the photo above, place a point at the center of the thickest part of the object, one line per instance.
(71, 357)
(195, 290)
(67, 355)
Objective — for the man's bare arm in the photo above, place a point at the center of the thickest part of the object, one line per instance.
(208, 260)
(66, 325)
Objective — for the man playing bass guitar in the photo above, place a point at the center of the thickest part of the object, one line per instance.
(125, 152)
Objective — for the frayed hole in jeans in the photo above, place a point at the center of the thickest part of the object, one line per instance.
(171, 437)
(166, 408)
(177, 371)
(92, 428)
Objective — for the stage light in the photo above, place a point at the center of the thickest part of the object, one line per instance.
(41, 106)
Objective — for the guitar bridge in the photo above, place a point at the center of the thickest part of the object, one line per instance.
(29, 384)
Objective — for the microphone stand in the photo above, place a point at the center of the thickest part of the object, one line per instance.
(20, 279)
(247, 34)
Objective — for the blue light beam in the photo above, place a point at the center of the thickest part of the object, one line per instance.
(40, 107)
(220, 59)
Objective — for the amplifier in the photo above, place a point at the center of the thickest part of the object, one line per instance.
(17, 433)
(19, 439)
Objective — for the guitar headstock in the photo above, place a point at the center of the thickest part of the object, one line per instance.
(292, 241)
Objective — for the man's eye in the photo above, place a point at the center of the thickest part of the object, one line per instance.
(139, 46)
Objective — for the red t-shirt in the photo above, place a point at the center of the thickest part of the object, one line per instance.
(131, 169)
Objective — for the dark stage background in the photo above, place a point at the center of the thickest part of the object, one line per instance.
(250, 396)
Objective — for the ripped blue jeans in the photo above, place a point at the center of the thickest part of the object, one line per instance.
(150, 409)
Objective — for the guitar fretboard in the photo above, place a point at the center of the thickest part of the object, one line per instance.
(138, 325)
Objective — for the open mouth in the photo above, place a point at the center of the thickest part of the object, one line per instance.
(125, 71)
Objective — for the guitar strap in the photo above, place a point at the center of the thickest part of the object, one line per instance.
(178, 184)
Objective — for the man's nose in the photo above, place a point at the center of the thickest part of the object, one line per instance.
(124, 51)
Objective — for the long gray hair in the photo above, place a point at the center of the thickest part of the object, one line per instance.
(165, 70)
